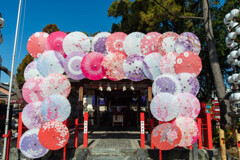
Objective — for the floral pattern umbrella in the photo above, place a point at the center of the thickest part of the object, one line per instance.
(167, 63)
(189, 130)
(187, 41)
(55, 42)
(72, 65)
(166, 136)
(32, 92)
(99, 41)
(36, 44)
(164, 107)
(151, 65)
(149, 43)
(56, 83)
(132, 67)
(188, 62)
(189, 83)
(112, 64)
(166, 83)
(50, 62)
(131, 44)
(166, 43)
(31, 71)
(31, 115)
(76, 42)
(92, 66)
(55, 107)
(53, 135)
(114, 42)
(189, 105)
(30, 145)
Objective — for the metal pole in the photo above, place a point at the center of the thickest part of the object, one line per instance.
(11, 78)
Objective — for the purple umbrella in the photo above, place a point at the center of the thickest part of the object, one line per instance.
(98, 42)
(31, 71)
(31, 115)
(30, 145)
(72, 65)
(166, 83)
(132, 67)
(189, 83)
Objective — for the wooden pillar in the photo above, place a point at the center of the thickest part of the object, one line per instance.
(80, 101)
(222, 144)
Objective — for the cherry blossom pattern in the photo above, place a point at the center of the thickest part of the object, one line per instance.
(131, 44)
(149, 43)
(166, 136)
(189, 130)
(188, 62)
(31, 71)
(166, 43)
(99, 41)
(164, 107)
(166, 83)
(132, 67)
(167, 63)
(36, 44)
(114, 42)
(189, 105)
(187, 41)
(112, 64)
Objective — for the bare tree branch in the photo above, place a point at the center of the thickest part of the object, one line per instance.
(191, 17)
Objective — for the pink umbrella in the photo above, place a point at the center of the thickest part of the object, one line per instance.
(166, 42)
(54, 42)
(149, 42)
(164, 107)
(167, 63)
(188, 62)
(92, 66)
(112, 64)
(32, 92)
(55, 83)
(189, 105)
(114, 42)
(189, 129)
(36, 44)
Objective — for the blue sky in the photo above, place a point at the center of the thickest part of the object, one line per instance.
(72, 15)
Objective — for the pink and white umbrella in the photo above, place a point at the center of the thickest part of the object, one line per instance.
(187, 41)
(112, 64)
(132, 67)
(188, 62)
(76, 42)
(166, 83)
(189, 129)
(189, 83)
(189, 105)
(151, 65)
(92, 66)
(31, 115)
(36, 44)
(164, 107)
(32, 92)
(50, 62)
(149, 43)
(54, 42)
(167, 63)
(31, 71)
(72, 65)
(99, 42)
(131, 44)
(166, 43)
(114, 42)
(55, 83)
(166, 136)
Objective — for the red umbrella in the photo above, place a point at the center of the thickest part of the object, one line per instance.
(188, 62)
(166, 136)
(53, 135)
(92, 66)
(149, 42)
